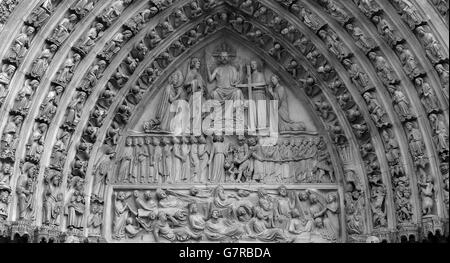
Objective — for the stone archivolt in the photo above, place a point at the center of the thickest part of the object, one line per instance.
(76, 79)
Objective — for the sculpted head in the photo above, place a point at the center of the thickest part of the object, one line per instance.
(195, 63)
(179, 13)
(275, 80)
(399, 48)
(303, 196)
(259, 213)
(224, 16)
(162, 216)
(175, 140)
(242, 140)
(433, 117)
(224, 57)
(318, 222)
(332, 197)
(293, 63)
(372, 56)
(6, 168)
(121, 196)
(440, 68)
(194, 191)
(99, 27)
(367, 96)
(254, 65)
(152, 215)
(419, 82)
(282, 191)
(166, 141)
(376, 19)
(161, 194)
(34, 84)
(202, 139)
(295, 213)
(241, 211)
(264, 203)
(30, 30)
(215, 214)
(31, 171)
(252, 141)
(409, 126)
(193, 208)
(56, 180)
(386, 135)
(29, 182)
(322, 33)
(174, 78)
(10, 69)
(407, 193)
(210, 21)
(349, 27)
(4, 195)
(147, 195)
(194, 5)
(156, 141)
(129, 141)
(180, 215)
(219, 191)
(218, 138)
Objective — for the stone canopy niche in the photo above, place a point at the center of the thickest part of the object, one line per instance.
(270, 181)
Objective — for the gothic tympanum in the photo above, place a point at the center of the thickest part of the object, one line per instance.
(223, 120)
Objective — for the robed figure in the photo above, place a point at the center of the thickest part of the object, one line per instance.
(172, 92)
(226, 78)
(194, 81)
(217, 160)
(195, 88)
(279, 93)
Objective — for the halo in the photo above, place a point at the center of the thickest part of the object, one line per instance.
(224, 47)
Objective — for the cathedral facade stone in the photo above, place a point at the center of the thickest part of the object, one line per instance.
(249, 121)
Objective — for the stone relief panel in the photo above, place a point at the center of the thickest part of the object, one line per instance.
(223, 159)
(227, 71)
(225, 214)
